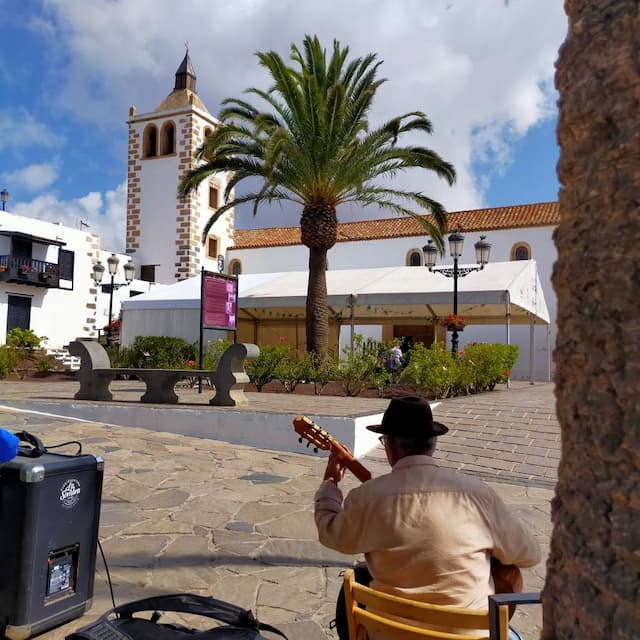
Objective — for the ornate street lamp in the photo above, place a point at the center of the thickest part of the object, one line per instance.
(456, 244)
(112, 265)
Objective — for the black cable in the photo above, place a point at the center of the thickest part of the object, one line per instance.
(64, 444)
(106, 566)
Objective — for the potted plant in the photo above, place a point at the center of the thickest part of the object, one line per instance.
(2, 268)
(453, 322)
(24, 268)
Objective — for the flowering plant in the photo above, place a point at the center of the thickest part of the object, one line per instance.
(191, 364)
(24, 268)
(2, 268)
(453, 322)
(113, 327)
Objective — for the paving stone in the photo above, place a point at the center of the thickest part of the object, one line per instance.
(138, 551)
(259, 512)
(299, 525)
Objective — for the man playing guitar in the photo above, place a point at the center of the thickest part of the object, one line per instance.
(428, 533)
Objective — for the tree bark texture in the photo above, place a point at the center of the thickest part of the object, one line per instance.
(319, 232)
(317, 320)
(593, 573)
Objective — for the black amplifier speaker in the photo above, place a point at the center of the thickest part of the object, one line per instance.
(49, 516)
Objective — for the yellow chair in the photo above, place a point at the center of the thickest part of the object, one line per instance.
(382, 611)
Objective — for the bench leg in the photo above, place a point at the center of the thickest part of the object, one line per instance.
(160, 386)
(93, 387)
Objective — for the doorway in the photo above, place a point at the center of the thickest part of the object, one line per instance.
(18, 312)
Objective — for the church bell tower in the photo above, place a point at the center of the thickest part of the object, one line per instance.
(164, 230)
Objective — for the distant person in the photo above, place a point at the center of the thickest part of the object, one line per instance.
(428, 533)
(395, 358)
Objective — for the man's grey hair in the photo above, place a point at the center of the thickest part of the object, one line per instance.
(413, 446)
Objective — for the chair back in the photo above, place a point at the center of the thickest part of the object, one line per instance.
(393, 617)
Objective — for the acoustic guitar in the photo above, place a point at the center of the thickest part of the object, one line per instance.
(506, 578)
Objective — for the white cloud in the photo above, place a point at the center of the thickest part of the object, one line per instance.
(482, 71)
(34, 177)
(104, 213)
(20, 129)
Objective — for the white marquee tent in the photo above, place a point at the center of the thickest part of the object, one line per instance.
(501, 293)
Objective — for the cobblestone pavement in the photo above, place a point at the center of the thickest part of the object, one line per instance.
(204, 516)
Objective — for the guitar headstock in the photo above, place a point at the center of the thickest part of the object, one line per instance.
(309, 430)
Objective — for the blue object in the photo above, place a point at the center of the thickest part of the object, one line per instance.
(8, 445)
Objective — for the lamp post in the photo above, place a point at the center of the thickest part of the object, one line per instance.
(112, 264)
(4, 196)
(456, 243)
(352, 298)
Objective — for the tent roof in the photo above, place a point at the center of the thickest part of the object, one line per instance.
(385, 293)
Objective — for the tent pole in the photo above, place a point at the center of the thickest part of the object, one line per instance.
(507, 309)
(532, 324)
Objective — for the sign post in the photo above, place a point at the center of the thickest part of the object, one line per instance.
(218, 308)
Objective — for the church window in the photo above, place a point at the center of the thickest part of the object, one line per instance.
(212, 247)
(414, 258)
(168, 139)
(150, 142)
(235, 267)
(213, 197)
(148, 272)
(521, 251)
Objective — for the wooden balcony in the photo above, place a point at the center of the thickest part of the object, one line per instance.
(28, 271)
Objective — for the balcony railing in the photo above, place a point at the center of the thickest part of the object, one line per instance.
(29, 271)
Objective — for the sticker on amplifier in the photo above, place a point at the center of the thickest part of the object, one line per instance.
(70, 493)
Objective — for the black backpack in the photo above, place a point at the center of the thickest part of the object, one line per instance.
(119, 623)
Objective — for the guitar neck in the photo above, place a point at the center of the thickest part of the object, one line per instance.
(359, 470)
(321, 439)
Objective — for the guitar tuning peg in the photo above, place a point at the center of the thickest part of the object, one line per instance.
(315, 449)
(308, 443)
(300, 439)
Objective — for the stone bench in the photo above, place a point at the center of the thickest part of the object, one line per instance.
(96, 373)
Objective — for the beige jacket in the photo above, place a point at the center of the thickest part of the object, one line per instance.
(427, 532)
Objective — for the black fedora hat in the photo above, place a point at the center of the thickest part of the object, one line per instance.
(409, 417)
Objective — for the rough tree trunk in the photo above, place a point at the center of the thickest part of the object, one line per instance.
(593, 573)
(319, 231)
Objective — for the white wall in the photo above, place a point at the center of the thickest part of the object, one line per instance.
(59, 314)
(393, 252)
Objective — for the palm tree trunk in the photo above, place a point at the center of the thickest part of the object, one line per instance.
(593, 581)
(317, 323)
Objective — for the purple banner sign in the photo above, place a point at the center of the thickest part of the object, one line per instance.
(219, 298)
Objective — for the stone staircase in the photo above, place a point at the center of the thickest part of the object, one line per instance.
(65, 358)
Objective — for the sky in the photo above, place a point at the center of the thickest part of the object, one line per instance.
(482, 71)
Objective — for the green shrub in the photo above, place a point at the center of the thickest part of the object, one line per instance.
(25, 339)
(157, 352)
(262, 369)
(431, 370)
(322, 370)
(9, 359)
(356, 370)
(291, 372)
(491, 363)
(43, 365)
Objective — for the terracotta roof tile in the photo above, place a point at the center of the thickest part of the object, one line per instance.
(541, 214)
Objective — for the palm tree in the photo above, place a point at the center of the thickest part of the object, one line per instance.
(314, 146)
(593, 581)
